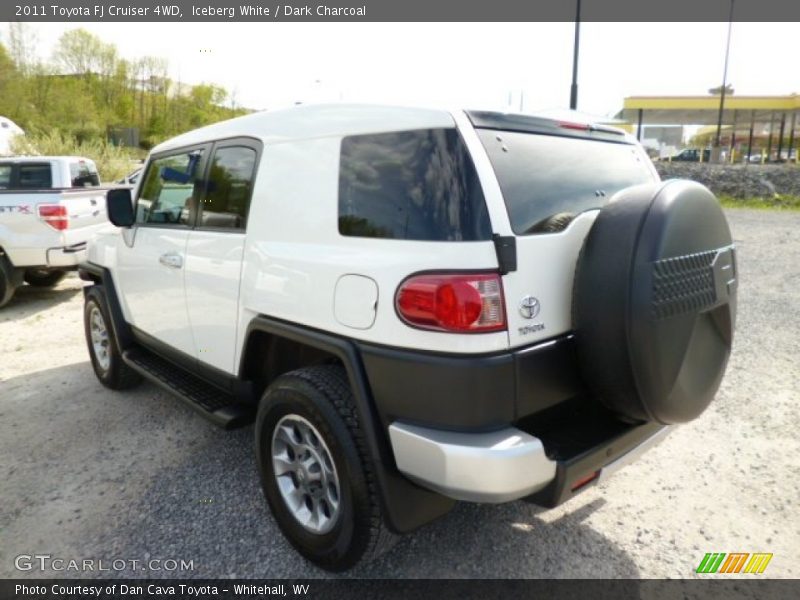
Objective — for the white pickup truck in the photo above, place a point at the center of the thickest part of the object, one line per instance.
(50, 207)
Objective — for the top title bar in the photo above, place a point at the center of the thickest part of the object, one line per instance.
(397, 10)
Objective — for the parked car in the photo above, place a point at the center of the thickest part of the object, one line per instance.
(49, 208)
(690, 155)
(415, 306)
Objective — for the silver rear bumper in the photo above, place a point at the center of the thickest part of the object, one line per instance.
(494, 467)
(477, 467)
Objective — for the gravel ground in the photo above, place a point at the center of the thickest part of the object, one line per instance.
(89, 473)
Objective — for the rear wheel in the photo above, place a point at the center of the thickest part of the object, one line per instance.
(8, 281)
(315, 469)
(43, 277)
(7, 286)
(104, 350)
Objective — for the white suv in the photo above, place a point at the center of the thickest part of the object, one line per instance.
(416, 307)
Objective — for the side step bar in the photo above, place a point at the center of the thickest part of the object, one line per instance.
(215, 404)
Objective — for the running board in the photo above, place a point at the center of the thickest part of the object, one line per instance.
(218, 406)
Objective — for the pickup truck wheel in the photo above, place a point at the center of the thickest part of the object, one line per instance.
(315, 469)
(104, 351)
(654, 302)
(43, 277)
(7, 282)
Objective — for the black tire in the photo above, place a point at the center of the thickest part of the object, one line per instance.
(115, 375)
(322, 396)
(7, 282)
(43, 277)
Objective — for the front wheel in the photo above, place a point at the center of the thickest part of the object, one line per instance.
(43, 277)
(104, 350)
(315, 469)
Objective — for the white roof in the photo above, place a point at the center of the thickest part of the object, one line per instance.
(45, 158)
(315, 120)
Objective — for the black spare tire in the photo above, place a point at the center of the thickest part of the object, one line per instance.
(654, 302)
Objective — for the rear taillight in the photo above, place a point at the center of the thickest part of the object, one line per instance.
(54, 215)
(463, 303)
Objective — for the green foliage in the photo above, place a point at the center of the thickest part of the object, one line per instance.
(780, 202)
(112, 161)
(86, 89)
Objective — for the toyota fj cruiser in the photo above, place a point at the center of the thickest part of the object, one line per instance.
(416, 307)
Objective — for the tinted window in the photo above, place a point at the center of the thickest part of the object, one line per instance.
(5, 176)
(410, 185)
(545, 175)
(168, 192)
(83, 174)
(230, 183)
(35, 176)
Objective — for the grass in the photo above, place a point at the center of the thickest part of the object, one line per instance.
(777, 203)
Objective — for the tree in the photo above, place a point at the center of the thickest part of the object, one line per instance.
(79, 52)
(86, 88)
(22, 42)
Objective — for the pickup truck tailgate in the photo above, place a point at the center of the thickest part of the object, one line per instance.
(50, 228)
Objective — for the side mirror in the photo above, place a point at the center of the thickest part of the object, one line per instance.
(119, 206)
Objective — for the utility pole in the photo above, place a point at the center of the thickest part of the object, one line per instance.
(724, 83)
(573, 91)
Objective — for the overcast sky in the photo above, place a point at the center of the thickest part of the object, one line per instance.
(467, 64)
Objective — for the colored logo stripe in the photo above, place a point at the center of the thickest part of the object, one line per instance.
(758, 563)
(711, 562)
(734, 562)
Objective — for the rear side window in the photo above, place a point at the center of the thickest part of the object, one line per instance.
(230, 183)
(35, 176)
(83, 174)
(542, 176)
(411, 185)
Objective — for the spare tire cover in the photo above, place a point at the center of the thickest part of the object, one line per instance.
(654, 301)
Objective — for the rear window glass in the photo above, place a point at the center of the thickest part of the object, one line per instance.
(35, 176)
(411, 185)
(5, 177)
(542, 176)
(83, 174)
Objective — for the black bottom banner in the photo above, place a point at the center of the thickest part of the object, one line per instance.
(407, 589)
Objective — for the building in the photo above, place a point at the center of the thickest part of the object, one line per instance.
(751, 124)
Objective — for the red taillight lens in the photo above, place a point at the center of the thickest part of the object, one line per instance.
(54, 215)
(584, 481)
(458, 302)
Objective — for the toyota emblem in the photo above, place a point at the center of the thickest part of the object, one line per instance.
(529, 307)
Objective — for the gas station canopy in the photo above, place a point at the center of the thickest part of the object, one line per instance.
(745, 119)
(704, 110)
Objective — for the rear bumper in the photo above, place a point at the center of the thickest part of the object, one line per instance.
(509, 463)
(478, 467)
(67, 256)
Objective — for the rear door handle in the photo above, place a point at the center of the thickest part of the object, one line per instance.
(172, 260)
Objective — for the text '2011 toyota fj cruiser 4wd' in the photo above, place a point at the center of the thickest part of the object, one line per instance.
(416, 306)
